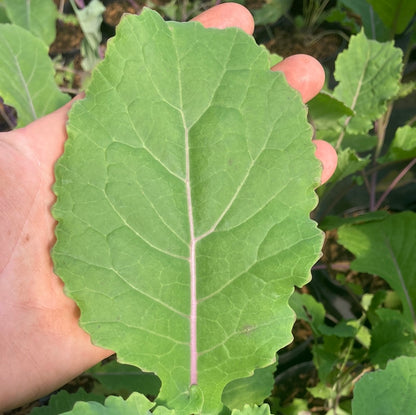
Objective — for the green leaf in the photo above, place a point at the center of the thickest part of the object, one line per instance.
(64, 401)
(36, 16)
(3, 14)
(348, 163)
(90, 19)
(271, 11)
(342, 329)
(136, 404)
(368, 73)
(392, 336)
(374, 27)
(309, 310)
(252, 390)
(403, 145)
(125, 379)
(386, 248)
(359, 142)
(333, 222)
(326, 111)
(252, 410)
(391, 391)
(27, 75)
(184, 196)
(326, 355)
(406, 88)
(296, 407)
(395, 14)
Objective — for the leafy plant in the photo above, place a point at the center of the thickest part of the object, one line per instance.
(90, 19)
(178, 283)
(27, 75)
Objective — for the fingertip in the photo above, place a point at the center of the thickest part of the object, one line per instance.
(328, 157)
(227, 15)
(303, 73)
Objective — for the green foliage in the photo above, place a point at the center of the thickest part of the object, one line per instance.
(403, 146)
(90, 19)
(387, 392)
(386, 248)
(36, 16)
(392, 336)
(148, 206)
(26, 75)
(395, 14)
(271, 11)
(64, 401)
(360, 70)
(252, 410)
(3, 14)
(135, 404)
(114, 377)
(255, 388)
(373, 26)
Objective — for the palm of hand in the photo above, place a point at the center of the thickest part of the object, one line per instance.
(42, 323)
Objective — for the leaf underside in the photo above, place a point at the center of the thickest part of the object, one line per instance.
(183, 201)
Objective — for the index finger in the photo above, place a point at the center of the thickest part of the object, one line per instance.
(227, 15)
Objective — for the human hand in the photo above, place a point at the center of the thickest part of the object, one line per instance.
(41, 345)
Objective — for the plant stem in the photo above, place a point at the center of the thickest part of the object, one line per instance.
(80, 3)
(61, 6)
(394, 183)
(381, 127)
(411, 121)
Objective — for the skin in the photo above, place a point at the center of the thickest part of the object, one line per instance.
(42, 346)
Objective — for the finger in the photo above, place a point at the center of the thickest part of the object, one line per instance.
(304, 73)
(227, 15)
(328, 157)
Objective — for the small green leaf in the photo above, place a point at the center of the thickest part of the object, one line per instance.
(27, 75)
(359, 142)
(361, 70)
(391, 391)
(136, 404)
(348, 163)
(125, 379)
(392, 336)
(36, 16)
(342, 329)
(309, 310)
(386, 248)
(90, 19)
(326, 111)
(64, 401)
(271, 11)
(406, 88)
(403, 145)
(184, 206)
(252, 410)
(296, 407)
(333, 222)
(3, 14)
(322, 391)
(252, 390)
